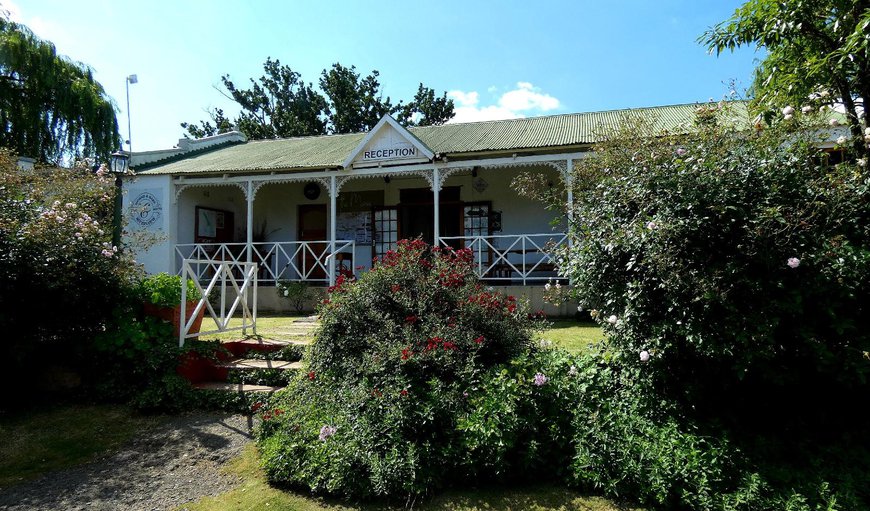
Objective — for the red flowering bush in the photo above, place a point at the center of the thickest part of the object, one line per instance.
(419, 312)
(401, 361)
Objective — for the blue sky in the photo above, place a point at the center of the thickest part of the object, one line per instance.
(496, 59)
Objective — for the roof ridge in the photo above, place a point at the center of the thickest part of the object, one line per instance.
(307, 137)
(566, 114)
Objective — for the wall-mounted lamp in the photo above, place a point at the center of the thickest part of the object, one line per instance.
(474, 172)
(387, 179)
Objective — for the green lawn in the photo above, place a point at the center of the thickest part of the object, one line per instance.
(271, 327)
(572, 335)
(254, 493)
(60, 436)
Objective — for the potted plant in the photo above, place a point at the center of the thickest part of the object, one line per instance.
(161, 294)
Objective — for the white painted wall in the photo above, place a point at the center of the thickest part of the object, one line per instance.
(226, 197)
(520, 215)
(152, 244)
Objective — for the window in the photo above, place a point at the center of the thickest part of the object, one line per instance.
(476, 219)
(386, 230)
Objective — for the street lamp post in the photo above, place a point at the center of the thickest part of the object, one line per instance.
(118, 164)
(130, 79)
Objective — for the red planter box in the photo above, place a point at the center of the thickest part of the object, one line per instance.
(173, 314)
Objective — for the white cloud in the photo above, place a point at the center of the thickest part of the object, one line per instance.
(525, 99)
(464, 99)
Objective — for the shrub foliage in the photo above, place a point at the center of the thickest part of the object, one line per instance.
(738, 260)
(402, 386)
(60, 278)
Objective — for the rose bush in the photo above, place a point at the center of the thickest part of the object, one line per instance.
(730, 270)
(391, 404)
(61, 277)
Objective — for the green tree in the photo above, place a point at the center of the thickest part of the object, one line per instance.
(222, 124)
(354, 104)
(281, 104)
(51, 108)
(426, 109)
(816, 51)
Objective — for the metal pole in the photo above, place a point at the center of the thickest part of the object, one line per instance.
(129, 123)
(116, 224)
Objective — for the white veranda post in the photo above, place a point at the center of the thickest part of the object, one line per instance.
(333, 193)
(436, 189)
(250, 234)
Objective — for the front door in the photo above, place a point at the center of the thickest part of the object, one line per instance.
(416, 210)
(312, 227)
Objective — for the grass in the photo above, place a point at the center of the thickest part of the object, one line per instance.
(574, 336)
(59, 436)
(254, 493)
(270, 327)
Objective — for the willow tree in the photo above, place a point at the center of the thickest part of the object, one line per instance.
(51, 108)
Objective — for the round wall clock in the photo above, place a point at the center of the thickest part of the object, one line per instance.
(311, 191)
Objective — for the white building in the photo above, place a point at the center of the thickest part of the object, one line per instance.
(303, 207)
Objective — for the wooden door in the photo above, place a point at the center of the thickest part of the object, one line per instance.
(312, 227)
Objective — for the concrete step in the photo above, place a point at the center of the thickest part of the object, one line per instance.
(235, 387)
(308, 319)
(292, 333)
(268, 344)
(252, 363)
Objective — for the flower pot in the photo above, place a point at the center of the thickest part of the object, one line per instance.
(173, 314)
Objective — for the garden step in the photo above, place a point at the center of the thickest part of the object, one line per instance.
(239, 347)
(252, 363)
(235, 387)
(268, 344)
(308, 320)
(294, 333)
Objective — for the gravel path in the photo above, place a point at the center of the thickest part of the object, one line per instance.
(174, 462)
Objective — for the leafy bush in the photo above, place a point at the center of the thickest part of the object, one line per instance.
(737, 261)
(164, 290)
(296, 292)
(730, 270)
(60, 276)
(397, 365)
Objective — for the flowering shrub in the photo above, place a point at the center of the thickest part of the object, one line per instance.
(733, 263)
(399, 362)
(730, 271)
(419, 312)
(60, 276)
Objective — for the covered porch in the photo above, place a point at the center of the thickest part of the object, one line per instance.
(310, 227)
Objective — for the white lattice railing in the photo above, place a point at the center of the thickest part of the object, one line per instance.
(509, 257)
(242, 280)
(307, 261)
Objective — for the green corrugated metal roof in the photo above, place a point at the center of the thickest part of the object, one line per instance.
(516, 135)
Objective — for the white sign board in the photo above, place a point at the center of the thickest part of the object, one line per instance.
(146, 209)
(388, 145)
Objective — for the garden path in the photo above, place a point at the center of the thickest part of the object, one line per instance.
(177, 461)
